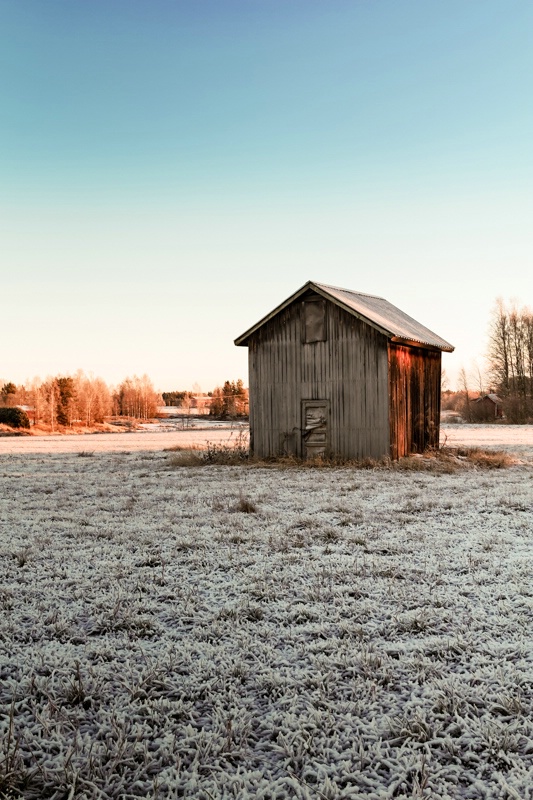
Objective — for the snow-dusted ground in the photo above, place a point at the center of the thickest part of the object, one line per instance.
(362, 634)
(513, 438)
(151, 437)
(518, 438)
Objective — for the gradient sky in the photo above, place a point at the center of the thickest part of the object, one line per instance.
(171, 170)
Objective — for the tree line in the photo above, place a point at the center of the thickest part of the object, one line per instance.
(79, 399)
(178, 399)
(224, 402)
(230, 400)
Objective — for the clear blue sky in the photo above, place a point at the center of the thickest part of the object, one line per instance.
(172, 170)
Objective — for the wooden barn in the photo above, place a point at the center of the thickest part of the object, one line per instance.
(488, 406)
(337, 372)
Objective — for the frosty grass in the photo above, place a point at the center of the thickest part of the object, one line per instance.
(361, 634)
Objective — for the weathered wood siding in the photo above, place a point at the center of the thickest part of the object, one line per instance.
(349, 370)
(414, 392)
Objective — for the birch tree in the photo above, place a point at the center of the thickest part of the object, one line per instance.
(136, 397)
(510, 355)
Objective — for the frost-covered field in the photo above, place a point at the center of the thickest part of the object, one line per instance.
(153, 437)
(516, 439)
(361, 634)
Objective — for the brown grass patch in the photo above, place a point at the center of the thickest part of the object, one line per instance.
(190, 457)
(435, 462)
(180, 448)
(487, 459)
(446, 460)
(245, 505)
(7, 430)
(220, 454)
(321, 462)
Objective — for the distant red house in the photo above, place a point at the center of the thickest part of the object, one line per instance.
(30, 411)
(490, 405)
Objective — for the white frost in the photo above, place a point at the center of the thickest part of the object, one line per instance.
(364, 634)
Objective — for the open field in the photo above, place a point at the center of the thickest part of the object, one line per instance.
(152, 437)
(244, 632)
(516, 438)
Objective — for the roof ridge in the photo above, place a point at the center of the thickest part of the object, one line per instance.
(349, 291)
(385, 317)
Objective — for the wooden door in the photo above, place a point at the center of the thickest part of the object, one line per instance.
(315, 428)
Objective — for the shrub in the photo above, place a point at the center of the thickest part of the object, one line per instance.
(221, 454)
(14, 417)
(236, 452)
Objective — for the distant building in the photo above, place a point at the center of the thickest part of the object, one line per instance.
(338, 372)
(201, 404)
(30, 411)
(490, 406)
(192, 406)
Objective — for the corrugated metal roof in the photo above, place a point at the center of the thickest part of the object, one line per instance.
(386, 316)
(377, 311)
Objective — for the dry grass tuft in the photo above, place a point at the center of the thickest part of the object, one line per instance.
(487, 459)
(180, 448)
(226, 454)
(436, 462)
(186, 458)
(12, 768)
(245, 505)
(229, 454)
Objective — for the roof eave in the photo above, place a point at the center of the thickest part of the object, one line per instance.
(446, 348)
(241, 340)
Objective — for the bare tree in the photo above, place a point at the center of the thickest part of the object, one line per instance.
(498, 351)
(93, 399)
(464, 388)
(510, 355)
(479, 379)
(136, 397)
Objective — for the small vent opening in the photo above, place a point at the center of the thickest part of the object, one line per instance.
(314, 321)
